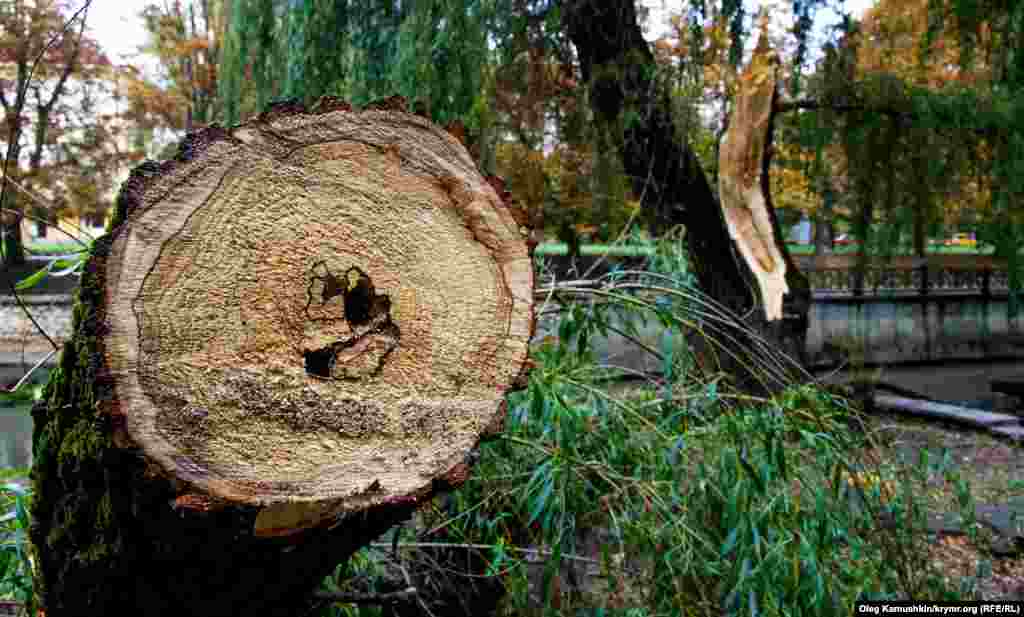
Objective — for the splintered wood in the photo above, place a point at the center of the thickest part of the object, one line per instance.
(741, 186)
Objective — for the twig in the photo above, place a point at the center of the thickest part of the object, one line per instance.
(43, 204)
(29, 374)
(56, 347)
(515, 549)
(21, 303)
(366, 598)
(408, 581)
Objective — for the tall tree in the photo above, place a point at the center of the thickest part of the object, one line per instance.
(433, 52)
(186, 40)
(60, 147)
(618, 67)
(990, 34)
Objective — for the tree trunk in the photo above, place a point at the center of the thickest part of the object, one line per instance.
(824, 230)
(730, 261)
(920, 241)
(297, 331)
(11, 210)
(10, 230)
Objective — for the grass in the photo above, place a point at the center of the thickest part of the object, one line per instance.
(678, 492)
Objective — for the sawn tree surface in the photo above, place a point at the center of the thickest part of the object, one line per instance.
(297, 331)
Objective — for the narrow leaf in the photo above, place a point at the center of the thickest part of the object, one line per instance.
(32, 280)
(15, 488)
(66, 266)
(23, 520)
(756, 477)
(541, 500)
(730, 541)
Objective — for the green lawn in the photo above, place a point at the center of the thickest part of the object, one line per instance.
(560, 248)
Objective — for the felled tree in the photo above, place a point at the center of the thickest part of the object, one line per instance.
(297, 331)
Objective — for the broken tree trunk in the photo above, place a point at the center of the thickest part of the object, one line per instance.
(618, 65)
(745, 194)
(297, 331)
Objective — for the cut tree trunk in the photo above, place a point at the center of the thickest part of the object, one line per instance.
(730, 257)
(297, 331)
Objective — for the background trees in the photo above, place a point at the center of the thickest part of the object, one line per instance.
(913, 99)
(63, 144)
(890, 148)
(879, 129)
(507, 70)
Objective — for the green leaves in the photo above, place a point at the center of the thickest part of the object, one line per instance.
(56, 268)
(733, 511)
(15, 565)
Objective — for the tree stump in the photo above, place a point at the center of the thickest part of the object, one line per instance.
(297, 330)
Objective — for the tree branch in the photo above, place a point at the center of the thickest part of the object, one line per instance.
(784, 106)
(900, 115)
(69, 66)
(366, 598)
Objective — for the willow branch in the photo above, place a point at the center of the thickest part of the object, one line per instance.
(900, 115)
(48, 206)
(784, 106)
(28, 313)
(366, 598)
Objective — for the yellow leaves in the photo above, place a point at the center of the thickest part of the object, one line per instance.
(790, 187)
(867, 481)
(891, 35)
(523, 169)
(188, 47)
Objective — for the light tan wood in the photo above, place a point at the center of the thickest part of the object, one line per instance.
(740, 167)
(315, 313)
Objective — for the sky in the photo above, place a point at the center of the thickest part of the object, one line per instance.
(116, 23)
(117, 26)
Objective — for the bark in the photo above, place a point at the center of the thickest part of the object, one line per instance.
(822, 235)
(619, 68)
(920, 240)
(11, 208)
(297, 331)
(11, 215)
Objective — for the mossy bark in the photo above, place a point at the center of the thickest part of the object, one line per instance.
(108, 540)
(115, 532)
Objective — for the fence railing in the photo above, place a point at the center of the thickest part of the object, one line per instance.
(935, 275)
(838, 275)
